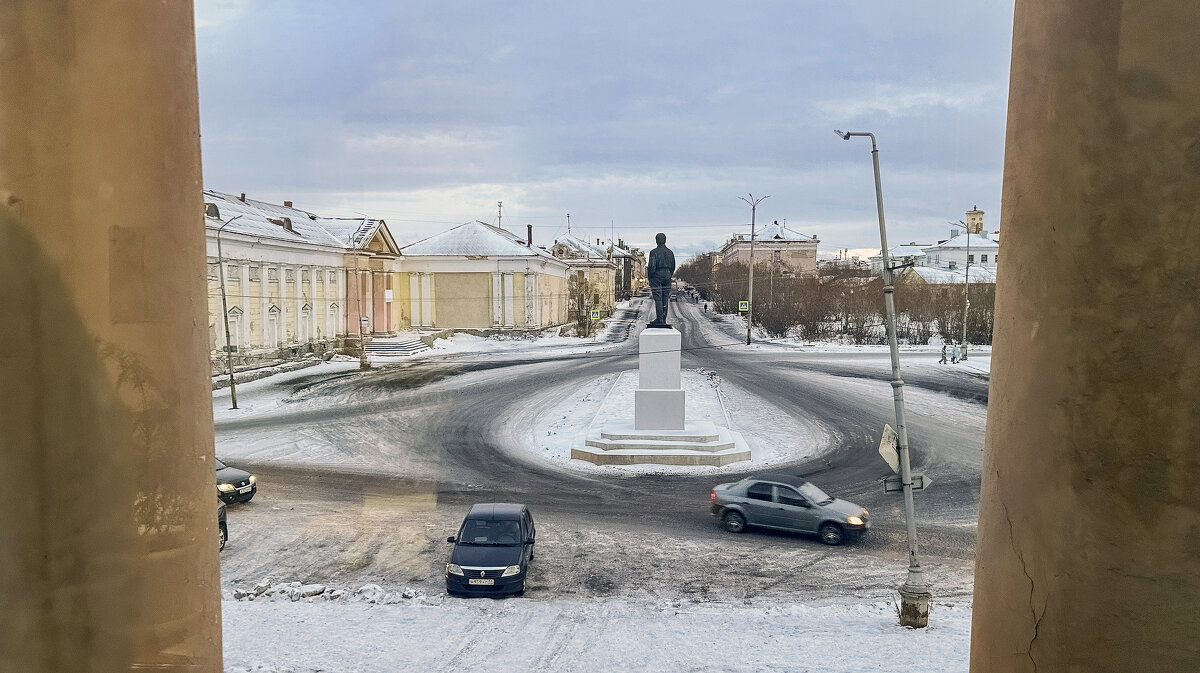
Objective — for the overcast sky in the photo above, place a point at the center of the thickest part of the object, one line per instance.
(634, 116)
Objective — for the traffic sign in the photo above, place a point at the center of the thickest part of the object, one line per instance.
(743, 305)
(595, 314)
(887, 448)
(893, 483)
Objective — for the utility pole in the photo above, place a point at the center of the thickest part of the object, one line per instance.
(225, 313)
(914, 593)
(966, 286)
(966, 296)
(750, 299)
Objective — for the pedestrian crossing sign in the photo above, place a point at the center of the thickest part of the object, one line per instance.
(595, 314)
(743, 305)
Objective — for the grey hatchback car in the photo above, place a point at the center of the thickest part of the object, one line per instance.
(787, 502)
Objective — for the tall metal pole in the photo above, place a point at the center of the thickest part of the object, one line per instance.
(750, 299)
(363, 362)
(225, 313)
(914, 594)
(966, 295)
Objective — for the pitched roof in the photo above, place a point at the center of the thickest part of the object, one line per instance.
(960, 242)
(583, 249)
(777, 232)
(266, 220)
(937, 276)
(254, 218)
(473, 239)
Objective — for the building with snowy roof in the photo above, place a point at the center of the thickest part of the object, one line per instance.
(480, 276)
(595, 274)
(784, 251)
(900, 254)
(294, 281)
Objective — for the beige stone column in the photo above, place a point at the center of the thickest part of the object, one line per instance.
(1089, 534)
(108, 535)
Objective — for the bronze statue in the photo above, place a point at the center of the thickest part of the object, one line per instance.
(659, 269)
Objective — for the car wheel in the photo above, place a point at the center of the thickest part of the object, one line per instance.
(734, 522)
(224, 533)
(831, 533)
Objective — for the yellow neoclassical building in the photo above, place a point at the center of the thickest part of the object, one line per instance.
(297, 282)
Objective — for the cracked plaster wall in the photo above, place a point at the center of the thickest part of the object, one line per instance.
(1089, 535)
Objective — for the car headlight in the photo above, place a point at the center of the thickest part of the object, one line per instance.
(453, 569)
(854, 520)
(253, 480)
(224, 487)
(510, 571)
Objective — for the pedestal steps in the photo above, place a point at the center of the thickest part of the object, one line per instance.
(699, 443)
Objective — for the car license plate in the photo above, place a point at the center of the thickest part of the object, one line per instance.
(485, 582)
(244, 489)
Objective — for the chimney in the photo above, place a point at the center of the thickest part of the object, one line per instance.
(287, 204)
(529, 236)
(242, 197)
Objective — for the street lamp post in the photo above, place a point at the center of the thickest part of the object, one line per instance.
(225, 313)
(914, 593)
(750, 299)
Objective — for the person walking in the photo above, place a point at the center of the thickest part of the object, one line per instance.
(943, 360)
(954, 355)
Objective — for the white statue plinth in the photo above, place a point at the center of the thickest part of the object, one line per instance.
(659, 400)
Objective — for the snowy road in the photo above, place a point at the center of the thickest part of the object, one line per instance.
(367, 474)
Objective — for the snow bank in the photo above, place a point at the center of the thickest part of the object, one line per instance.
(520, 635)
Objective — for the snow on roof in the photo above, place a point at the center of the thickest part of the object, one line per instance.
(778, 232)
(582, 248)
(905, 250)
(937, 276)
(351, 232)
(254, 218)
(473, 239)
(960, 242)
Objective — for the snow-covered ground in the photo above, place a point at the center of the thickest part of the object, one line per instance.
(774, 435)
(521, 635)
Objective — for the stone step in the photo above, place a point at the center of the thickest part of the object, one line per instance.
(677, 457)
(699, 437)
(396, 347)
(652, 445)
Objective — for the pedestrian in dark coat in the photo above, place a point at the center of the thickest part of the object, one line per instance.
(943, 360)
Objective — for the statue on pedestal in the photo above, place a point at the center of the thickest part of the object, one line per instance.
(659, 269)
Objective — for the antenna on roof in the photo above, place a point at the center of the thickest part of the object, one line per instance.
(568, 224)
(499, 214)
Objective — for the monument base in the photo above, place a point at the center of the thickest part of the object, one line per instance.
(658, 409)
(699, 443)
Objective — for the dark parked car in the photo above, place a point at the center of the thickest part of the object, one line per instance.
(234, 485)
(492, 551)
(787, 502)
(222, 529)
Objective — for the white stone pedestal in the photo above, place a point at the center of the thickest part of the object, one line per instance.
(658, 402)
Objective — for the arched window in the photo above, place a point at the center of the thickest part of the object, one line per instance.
(273, 320)
(235, 327)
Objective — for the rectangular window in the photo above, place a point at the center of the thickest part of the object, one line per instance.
(289, 275)
(272, 274)
(254, 271)
(304, 275)
(970, 259)
(760, 491)
(983, 259)
(214, 271)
